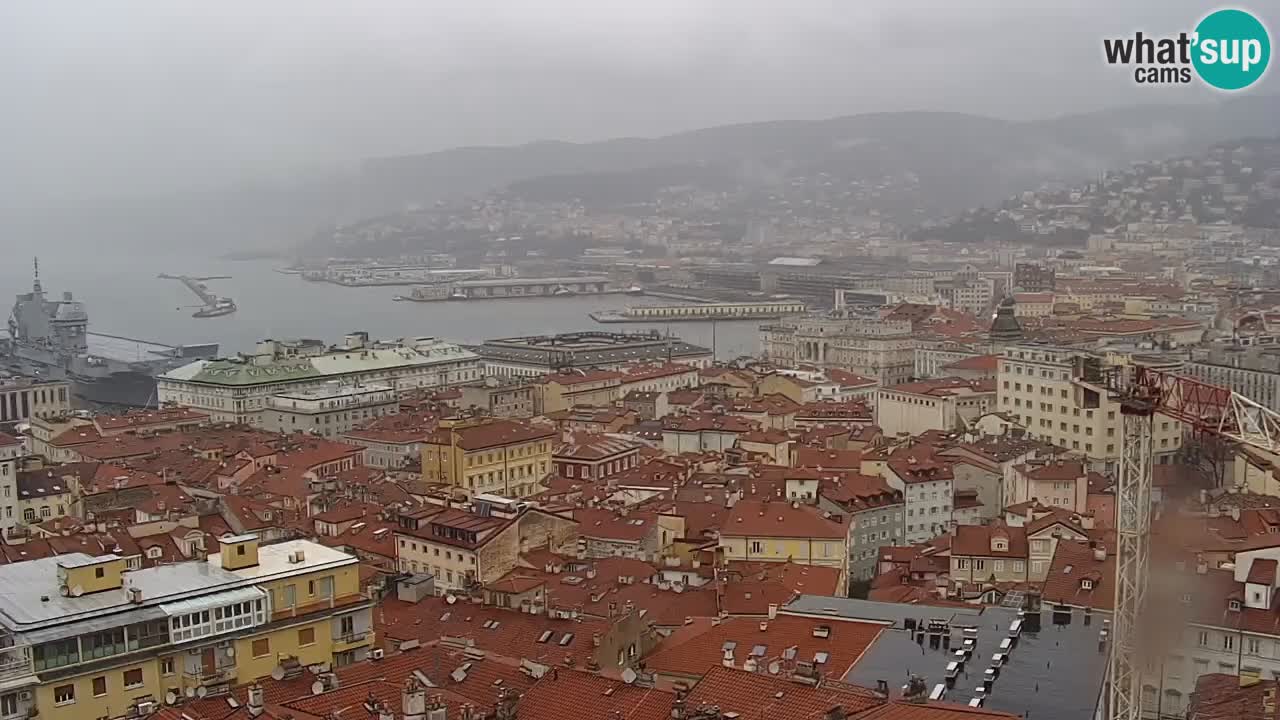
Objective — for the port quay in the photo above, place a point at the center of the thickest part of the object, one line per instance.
(512, 287)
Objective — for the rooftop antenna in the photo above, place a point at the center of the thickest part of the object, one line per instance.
(36, 263)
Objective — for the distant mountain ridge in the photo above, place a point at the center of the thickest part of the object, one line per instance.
(962, 160)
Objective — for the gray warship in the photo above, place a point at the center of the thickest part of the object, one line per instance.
(50, 338)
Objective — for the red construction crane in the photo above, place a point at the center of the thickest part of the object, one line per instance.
(1142, 392)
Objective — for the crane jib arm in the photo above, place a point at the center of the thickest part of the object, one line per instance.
(1208, 408)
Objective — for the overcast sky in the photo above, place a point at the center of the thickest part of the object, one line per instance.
(180, 93)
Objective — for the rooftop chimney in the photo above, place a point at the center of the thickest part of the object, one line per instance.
(255, 704)
(413, 700)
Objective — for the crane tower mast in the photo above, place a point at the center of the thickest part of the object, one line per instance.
(1142, 393)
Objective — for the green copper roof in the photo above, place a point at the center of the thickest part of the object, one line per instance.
(221, 372)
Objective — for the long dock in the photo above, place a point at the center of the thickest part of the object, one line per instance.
(764, 310)
(512, 288)
(212, 304)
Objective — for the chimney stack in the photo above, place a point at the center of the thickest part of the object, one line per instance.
(413, 700)
(256, 706)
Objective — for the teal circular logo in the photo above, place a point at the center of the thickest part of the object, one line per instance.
(1232, 49)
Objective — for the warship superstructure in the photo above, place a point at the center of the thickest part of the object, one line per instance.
(50, 338)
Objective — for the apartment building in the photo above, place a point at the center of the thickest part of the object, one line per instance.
(928, 490)
(980, 553)
(595, 457)
(10, 452)
(87, 638)
(461, 547)
(1229, 628)
(329, 410)
(973, 297)
(562, 391)
(944, 404)
(874, 511)
(506, 457)
(1059, 394)
(1053, 482)
(781, 531)
(499, 396)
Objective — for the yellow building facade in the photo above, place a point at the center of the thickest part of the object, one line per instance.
(86, 638)
(502, 457)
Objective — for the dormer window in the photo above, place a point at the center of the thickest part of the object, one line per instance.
(1000, 545)
(1233, 605)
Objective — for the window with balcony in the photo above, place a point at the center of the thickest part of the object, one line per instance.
(150, 634)
(103, 644)
(56, 654)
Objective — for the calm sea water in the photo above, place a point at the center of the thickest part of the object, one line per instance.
(125, 297)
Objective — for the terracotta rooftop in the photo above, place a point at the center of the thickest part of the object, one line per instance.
(1074, 566)
(980, 541)
(495, 433)
(1230, 697)
(842, 641)
(753, 518)
(755, 694)
(564, 694)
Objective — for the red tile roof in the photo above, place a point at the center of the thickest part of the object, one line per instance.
(515, 637)
(943, 387)
(1262, 571)
(1074, 562)
(845, 643)
(753, 518)
(145, 418)
(933, 711)
(977, 541)
(602, 524)
(978, 362)
(811, 457)
(495, 433)
(580, 377)
(757, 695)
(1230, 697)
(802, 579)
(564, 694)
(849, 379)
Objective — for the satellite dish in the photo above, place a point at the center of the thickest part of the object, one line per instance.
(77, 591)
(317, 688)
(64, 591)
(775, 667)
(231, 651)
(202, 691)
(277, 673)
(170, 697)
(629, 676)
(450, 599)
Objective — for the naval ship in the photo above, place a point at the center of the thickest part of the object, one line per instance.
(50, 338)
